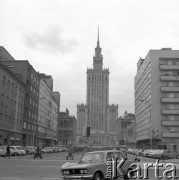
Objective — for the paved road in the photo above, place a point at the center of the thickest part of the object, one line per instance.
(48, 168)
(27, 168)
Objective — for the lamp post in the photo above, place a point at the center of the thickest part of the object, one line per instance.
(151, 134)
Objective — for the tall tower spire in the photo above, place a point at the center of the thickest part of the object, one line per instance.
(98, 57)
(98, 38)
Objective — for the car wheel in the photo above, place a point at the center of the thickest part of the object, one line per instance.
(15, 154)
(98, 176)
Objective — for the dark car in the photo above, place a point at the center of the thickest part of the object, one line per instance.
(96, 165)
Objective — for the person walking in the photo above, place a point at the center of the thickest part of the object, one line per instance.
(8, 152)
(70, 152)
(37, 154)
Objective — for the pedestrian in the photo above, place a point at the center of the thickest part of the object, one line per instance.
(8, 152)
(37, 154)
(70, 152)
(136, 156)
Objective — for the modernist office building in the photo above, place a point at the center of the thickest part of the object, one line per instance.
(97, 113)
(12, 95)
(157, 99)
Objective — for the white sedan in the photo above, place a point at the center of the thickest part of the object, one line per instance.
(2, 150)
(17, 151)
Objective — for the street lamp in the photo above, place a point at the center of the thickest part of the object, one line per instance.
(144, 100)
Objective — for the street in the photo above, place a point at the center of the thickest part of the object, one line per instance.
(48, 168)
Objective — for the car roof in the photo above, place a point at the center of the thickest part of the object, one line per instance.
(104, 151)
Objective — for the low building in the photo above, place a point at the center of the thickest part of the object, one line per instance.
(122, 123)
(66, 129)
(131, 139)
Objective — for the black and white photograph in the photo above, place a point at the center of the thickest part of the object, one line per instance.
(89, 89)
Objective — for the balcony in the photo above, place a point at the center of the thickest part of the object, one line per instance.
(169, 89)
(170, 123)
(170, 111)
(169, 67)
(170, 134)
(169, 100)
(169, 78)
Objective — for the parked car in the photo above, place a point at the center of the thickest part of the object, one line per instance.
(93, 165)
(2, 150)
(155, 153)
(17, 151)
(168, 154)
(47, 150)
(146, 152)
(30, 149)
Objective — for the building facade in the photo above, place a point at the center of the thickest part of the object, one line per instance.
(66, 129)
(12, 94)
(97, 113)
(157, 99)
(122, 124)
(5, 55)
(47, 113)
(131, 137)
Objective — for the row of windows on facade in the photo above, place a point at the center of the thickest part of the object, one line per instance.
(143, 71)
(11, 110)
(8, 121)
(97, 77)
(11, 104)
(66, 124)
(30, 126)
(143, 122)
(139, 104)
(143, 85)
(170, 73)
(47, 105)
(124, 124)
(142, 111)
(10, 84)
(143, 132)
(169, 62)
(10, 98)
(66, 133)
(144, 92)
(34, 90)
(34, 78)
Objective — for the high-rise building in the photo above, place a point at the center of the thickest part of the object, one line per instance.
(157, 99)
(97, 113)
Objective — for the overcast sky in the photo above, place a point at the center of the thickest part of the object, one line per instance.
(58, 38)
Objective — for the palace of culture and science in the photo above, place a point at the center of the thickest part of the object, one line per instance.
(97, 113)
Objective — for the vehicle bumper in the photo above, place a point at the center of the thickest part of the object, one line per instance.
(77, 177)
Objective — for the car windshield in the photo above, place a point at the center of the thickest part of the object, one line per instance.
(93, 157)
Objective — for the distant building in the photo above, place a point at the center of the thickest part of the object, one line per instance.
(66, 129)
(157, 99)
(131, 137)
(121, 124)
(47, 113)
(97, 113)
(12, 95)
